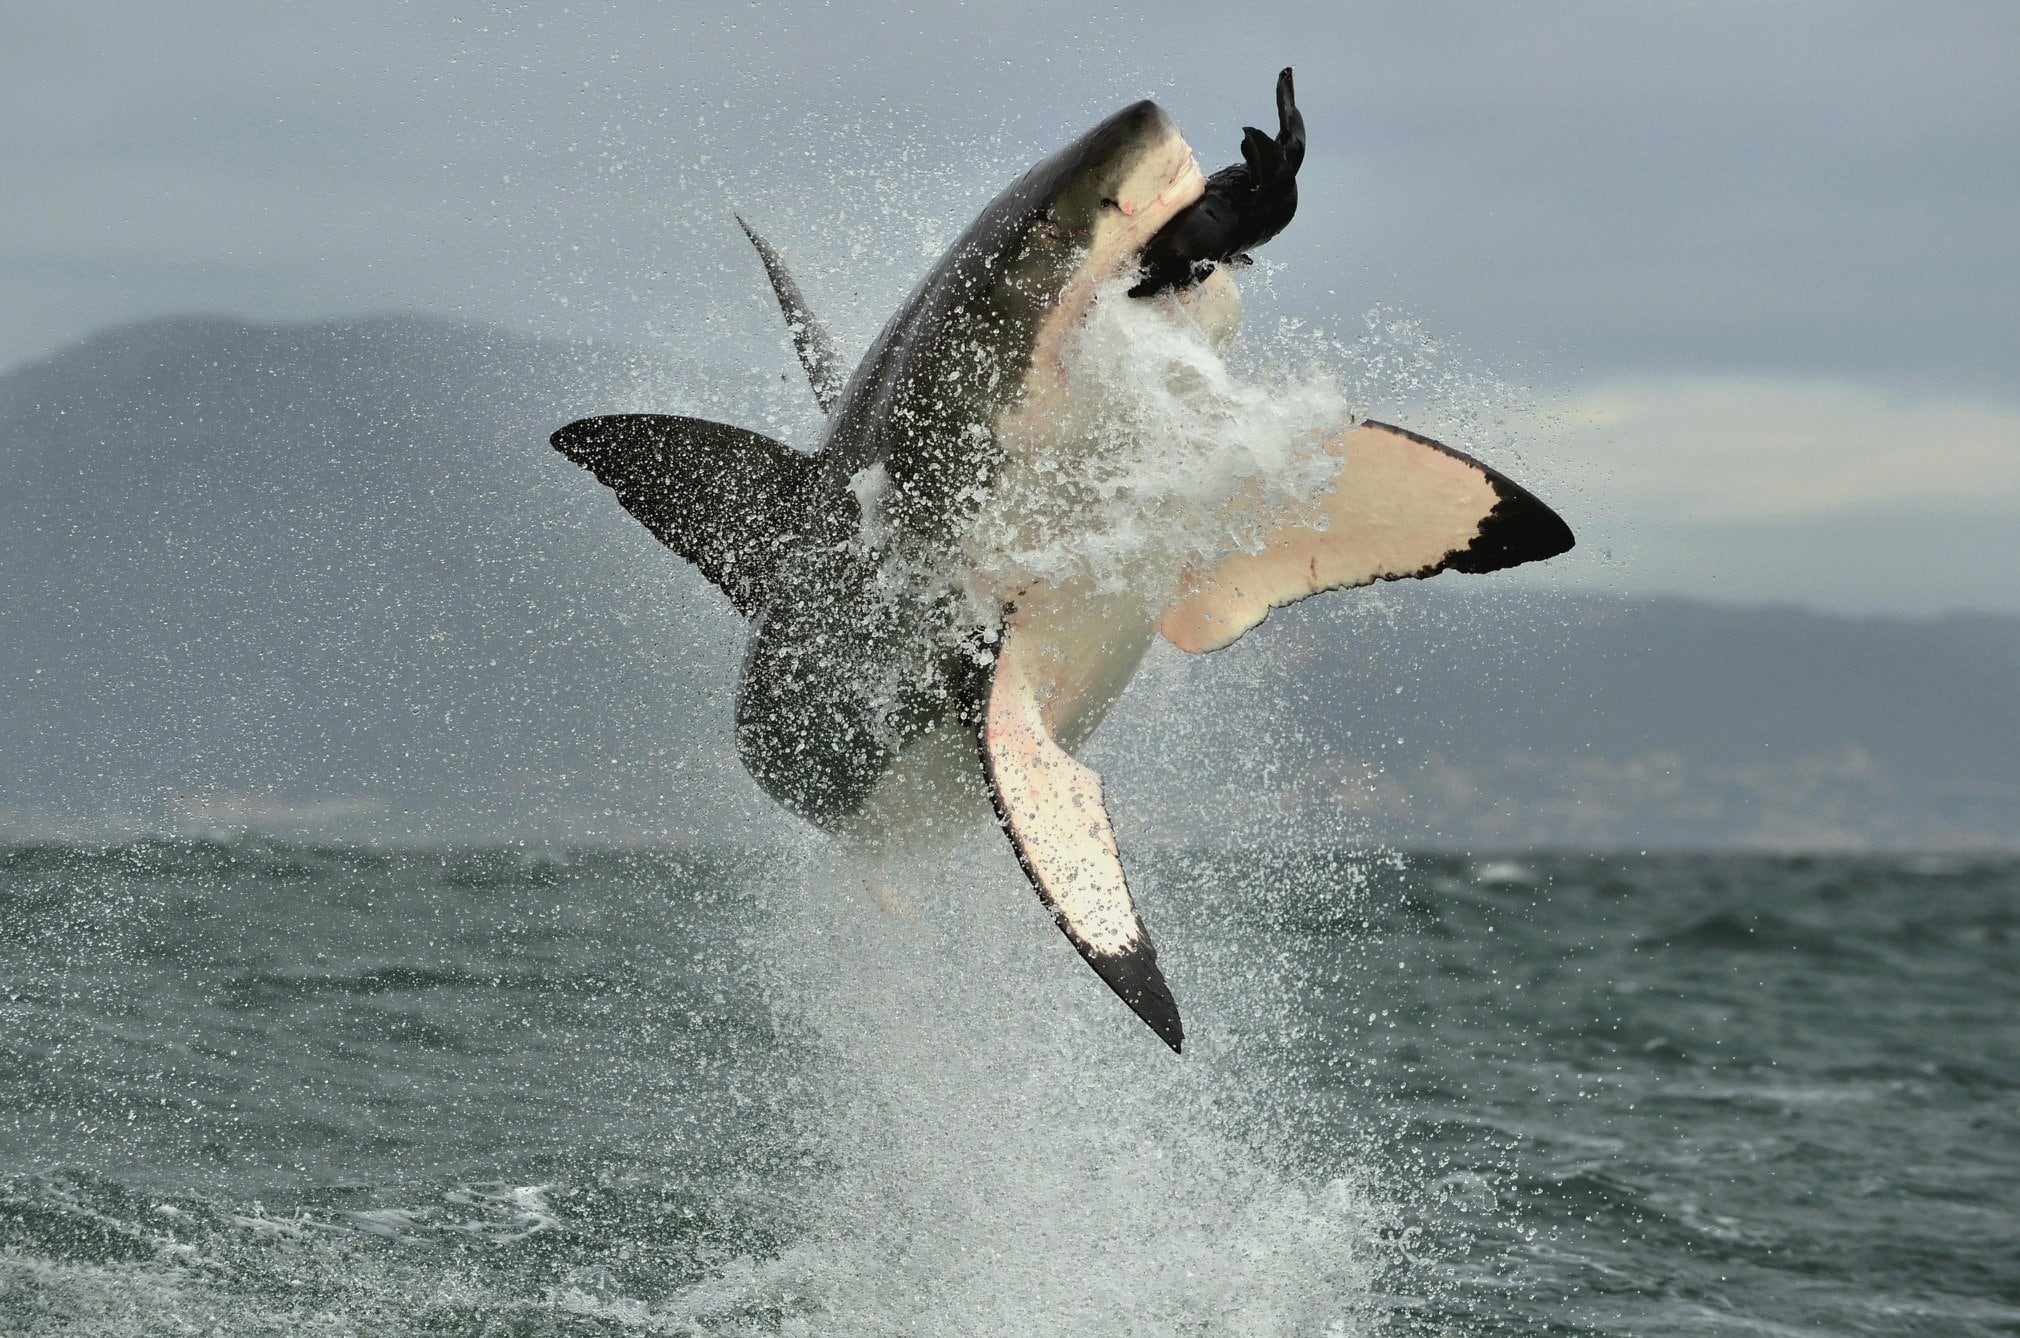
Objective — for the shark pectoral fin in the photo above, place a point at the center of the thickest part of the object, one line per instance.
(1401, 506)
(1051, 807)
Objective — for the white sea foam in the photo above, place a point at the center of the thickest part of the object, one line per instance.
(1158, 456)
(1003, 1149)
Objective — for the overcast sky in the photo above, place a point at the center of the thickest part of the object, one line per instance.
(1744, 278)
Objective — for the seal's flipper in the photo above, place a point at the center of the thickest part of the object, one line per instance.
(1260, 153)
(1401, 506)
(1290, 122)
(1051, 807)
(726, 499)
(810, 337)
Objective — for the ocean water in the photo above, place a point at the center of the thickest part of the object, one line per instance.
(257, 1088)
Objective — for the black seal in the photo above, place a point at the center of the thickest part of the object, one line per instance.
(1245, 205)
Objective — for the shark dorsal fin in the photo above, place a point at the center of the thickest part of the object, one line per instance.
(810, 337)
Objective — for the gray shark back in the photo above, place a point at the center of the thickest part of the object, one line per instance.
(923, 400)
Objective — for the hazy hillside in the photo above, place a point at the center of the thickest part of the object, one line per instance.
(279, 575)
(1457, 714)
(330, 579)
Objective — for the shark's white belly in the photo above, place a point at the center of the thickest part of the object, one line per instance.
(1089, 647)
(1085, 633)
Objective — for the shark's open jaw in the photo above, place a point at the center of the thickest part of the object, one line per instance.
(1162, 184)
(1175, 169)
(1164, 181)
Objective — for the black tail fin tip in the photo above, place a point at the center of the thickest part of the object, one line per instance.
(1134, 976)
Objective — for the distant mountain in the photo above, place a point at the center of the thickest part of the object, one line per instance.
(330, 580)
(332, 577)
(1442, 714)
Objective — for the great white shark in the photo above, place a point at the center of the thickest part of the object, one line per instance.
(894, 663)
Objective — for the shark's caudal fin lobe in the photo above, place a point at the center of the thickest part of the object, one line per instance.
(1401, 506)
(810, 338)
(726, 499)
(1050, 806)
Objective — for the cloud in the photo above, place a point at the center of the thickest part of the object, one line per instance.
(1724, 450)
(1615, 188)
(1817, 492)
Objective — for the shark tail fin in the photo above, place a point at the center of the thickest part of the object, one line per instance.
(726, 499)
(810, 337)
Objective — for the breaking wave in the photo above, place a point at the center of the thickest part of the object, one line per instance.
(1003, 1149)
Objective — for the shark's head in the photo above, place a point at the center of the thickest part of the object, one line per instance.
(986, 326)
(1110, 190)
(1084, 215)
(1037, 252)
